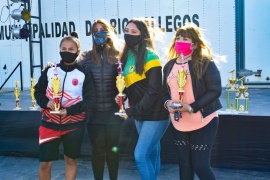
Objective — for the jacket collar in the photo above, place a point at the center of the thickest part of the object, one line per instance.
(67, 68)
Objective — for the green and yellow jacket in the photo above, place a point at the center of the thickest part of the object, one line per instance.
(144, 91)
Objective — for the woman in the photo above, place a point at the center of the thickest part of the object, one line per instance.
(103, 125)
(195, 131)
(77, 94)
(143, 74)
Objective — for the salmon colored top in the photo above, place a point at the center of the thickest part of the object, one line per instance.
(188, 122)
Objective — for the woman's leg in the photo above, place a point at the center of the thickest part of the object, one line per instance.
(71, 168)
(150, 133)
(112, 155)
(72, 142)
(96, 133)
(44, 171)
(182, 142)
(201, 146)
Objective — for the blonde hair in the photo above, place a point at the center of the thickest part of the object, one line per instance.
(202, 51)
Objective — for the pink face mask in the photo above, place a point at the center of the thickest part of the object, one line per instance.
(183, 47)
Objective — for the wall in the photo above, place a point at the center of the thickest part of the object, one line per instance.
(59, 17)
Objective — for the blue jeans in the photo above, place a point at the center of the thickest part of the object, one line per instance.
(147, 151)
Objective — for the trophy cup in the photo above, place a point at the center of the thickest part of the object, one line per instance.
(32, 91)
(232, 86)
(17, 95)
(120, 84)
(232, 81)
(181, 80)
(56, 88)
(242, 94)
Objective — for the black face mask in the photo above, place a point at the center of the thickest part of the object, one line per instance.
(132, 40)
(68, 57)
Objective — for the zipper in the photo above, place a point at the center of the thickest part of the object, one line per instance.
(63, 85)
(102, 75)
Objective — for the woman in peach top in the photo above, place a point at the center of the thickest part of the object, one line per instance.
(195, 123)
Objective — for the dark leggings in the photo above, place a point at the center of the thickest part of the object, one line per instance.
(194, 151)
(104, 140)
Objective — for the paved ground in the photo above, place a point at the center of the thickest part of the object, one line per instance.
(25, 168)
(22, 168)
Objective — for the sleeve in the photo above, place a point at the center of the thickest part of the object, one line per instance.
(165, 89)
(213, 88)
(88, 97)
(40, 89)
(152, 93)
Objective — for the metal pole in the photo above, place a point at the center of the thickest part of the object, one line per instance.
(21, 75)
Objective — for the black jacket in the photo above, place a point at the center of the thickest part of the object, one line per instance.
(206, 89)
(104, 76)
(145, 98)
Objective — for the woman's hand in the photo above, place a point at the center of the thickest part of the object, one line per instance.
(185, 108)
(62, 112)
(117, 98)
(124, 116)
(171, 106)
(47, 65)
(51, 105)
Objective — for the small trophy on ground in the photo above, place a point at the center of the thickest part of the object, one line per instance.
(17, 95)
(32, 93)
(231, 86)
(56, 88)
(181, 80)
(120, 84)
(242, 94)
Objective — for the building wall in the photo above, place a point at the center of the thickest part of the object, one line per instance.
(59, 17)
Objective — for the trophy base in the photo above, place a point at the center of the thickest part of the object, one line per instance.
(55, 112)
(33, 109)
(17, 108)
(243, 112)
(120, 113)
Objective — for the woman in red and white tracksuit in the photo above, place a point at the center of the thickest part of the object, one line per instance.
(77, 95)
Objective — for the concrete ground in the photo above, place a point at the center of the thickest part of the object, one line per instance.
(24, 168)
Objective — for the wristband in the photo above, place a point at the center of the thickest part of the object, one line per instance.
(190, 110)
(165, 105)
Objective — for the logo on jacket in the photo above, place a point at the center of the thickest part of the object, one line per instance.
(75, 82)
(131, 69)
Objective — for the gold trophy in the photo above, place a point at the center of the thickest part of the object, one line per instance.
(181, 80)
(242, 94)
(232, 81)
(231, 86)
(32, 91)
(56, 88)
(17, 95)
(120, 85)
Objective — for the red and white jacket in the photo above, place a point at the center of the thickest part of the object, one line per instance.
(77, 95)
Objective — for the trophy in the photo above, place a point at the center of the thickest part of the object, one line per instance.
(32, 91)
(56, 88)
(120, 84)
(232, 86)
(181, 80)
(17, 95)
(232, 81)
(242, 94)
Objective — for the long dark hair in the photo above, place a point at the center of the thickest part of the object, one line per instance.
(110, 49)
(140, 50)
